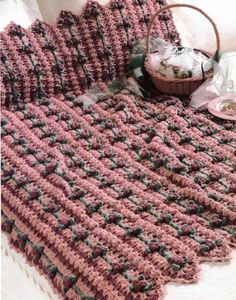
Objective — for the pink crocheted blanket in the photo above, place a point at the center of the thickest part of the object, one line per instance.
(112, 201)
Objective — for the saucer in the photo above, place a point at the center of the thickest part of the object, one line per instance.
(224, 107)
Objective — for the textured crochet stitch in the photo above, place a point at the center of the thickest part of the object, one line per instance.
(112, 201)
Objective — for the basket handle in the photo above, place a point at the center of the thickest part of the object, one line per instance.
(179, 5)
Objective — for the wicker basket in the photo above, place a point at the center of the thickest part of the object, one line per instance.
(177, 86)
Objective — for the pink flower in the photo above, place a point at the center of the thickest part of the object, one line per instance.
(8, 172)
(144, 154)
(216, 221)
(21, 182)
(120, 163)
(78, 162)
(134, 145)
(165, 217)
(139, 286)
(214, 176)
(134, 232)
(228, 126)
(80, 234)
(154, 246)
(99, 251)
(38, 28)
(34, 195)
(118, 5)
(7, 225)
(68, 282)
(185, 230)
(109, 124)
(108, 153)
(84, 133)
(50, 207)
(51, 270)
(126, 192)
(195, 166)
(145, 206)
(119, 267)
(17, 30)
(65, 222)
(143, 128)
(36, 254)
(137, 174)
(232, 188)
(66, 19)
(51, 168)
(114, 218)
(176, 259)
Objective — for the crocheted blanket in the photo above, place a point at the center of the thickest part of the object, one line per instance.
(115, 200)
